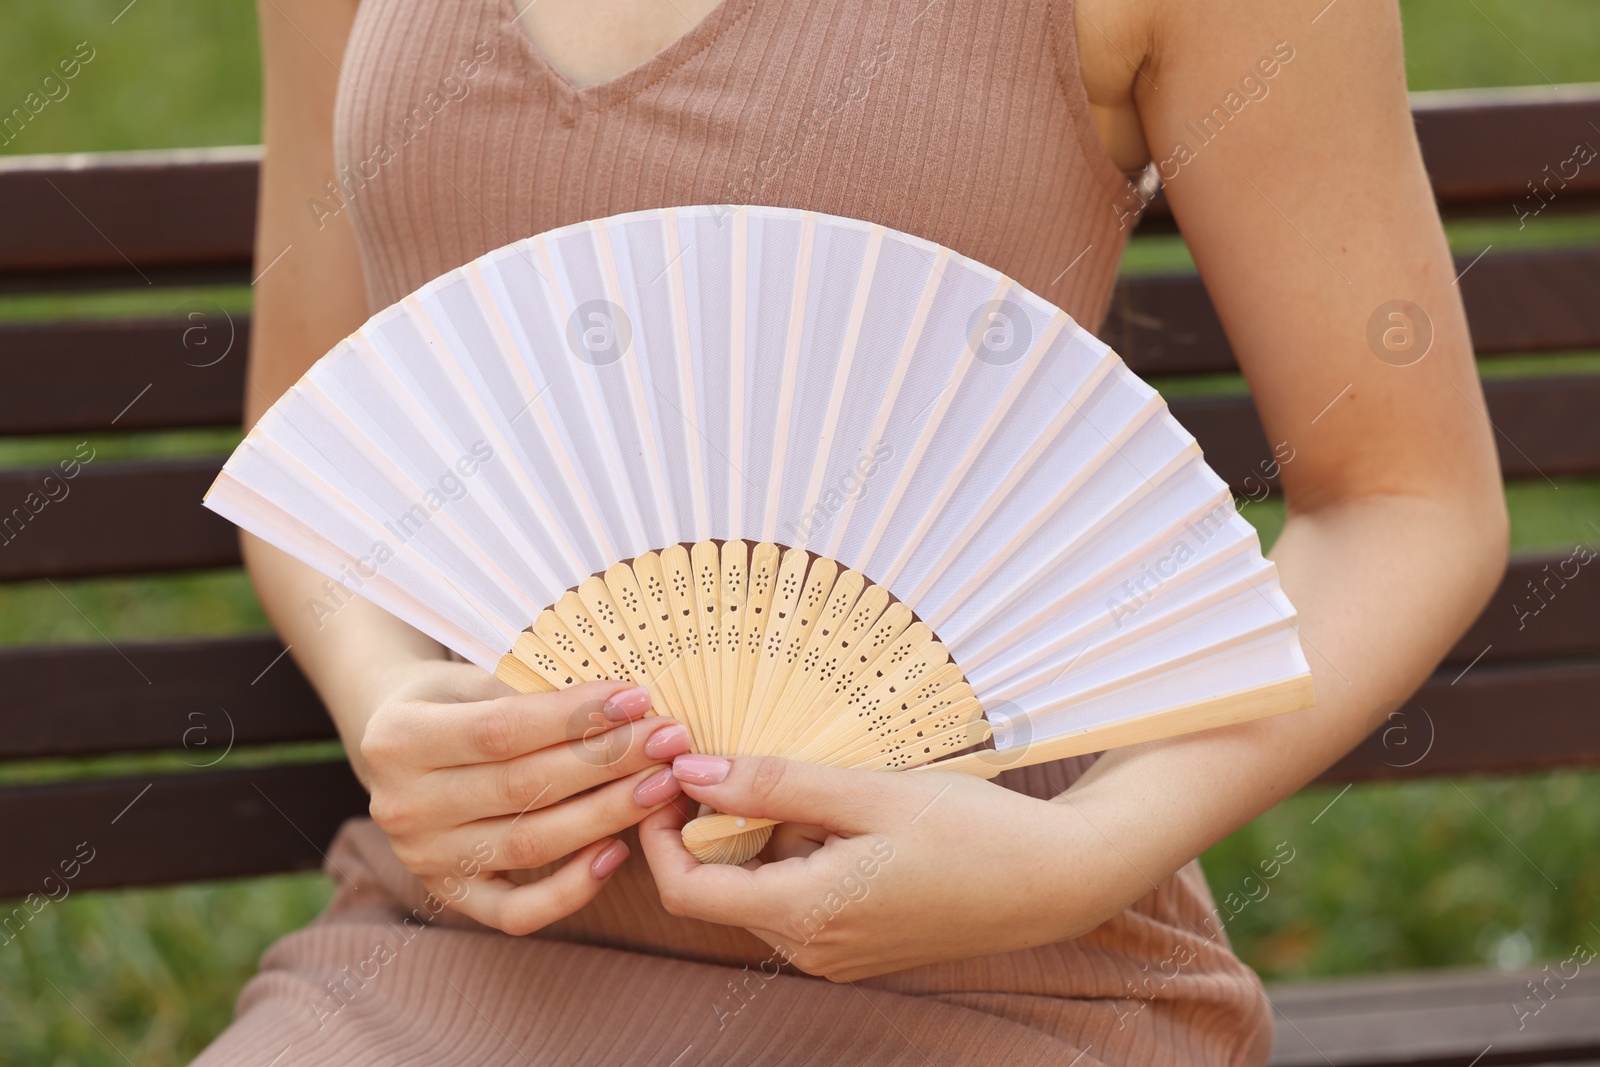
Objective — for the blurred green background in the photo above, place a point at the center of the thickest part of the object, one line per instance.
(1493, 871)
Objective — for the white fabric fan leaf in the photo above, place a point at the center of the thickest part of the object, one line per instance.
(843, 260)
(537, 502)
(1123, 602)
(589, 380)
(1177, 686)
(310, 520)
(511, 416)
(615, 388)
(1150, 529)
(708, 270)
(891, 382)
(852, 465)
(422, 468)
(773, 255)
(415, 517)
(627, 365)
(1149, 658)
(1099, 471)
(1044, 473)
(653, 380)
(664, 391)
(554, 413)
(1209, 612)
(913, 432)
(1011, 421)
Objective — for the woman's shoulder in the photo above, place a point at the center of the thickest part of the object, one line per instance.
(1116, 39)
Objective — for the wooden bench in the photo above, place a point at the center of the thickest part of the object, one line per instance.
(1510, 698)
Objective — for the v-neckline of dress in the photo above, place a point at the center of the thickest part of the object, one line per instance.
(575, 99)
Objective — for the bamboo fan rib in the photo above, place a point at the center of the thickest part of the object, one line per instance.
(759, 651)
(828, 490)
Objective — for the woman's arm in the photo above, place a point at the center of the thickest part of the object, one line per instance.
(308, 296)
(467, 778)
(1307, 209)
(1306, 213)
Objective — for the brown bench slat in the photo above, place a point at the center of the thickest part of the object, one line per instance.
(1558, 618)
(90, 699)
(1539, 420)
(1510, 719)
(115, 518)
(1482, 147)
(215, 824)
(1445, 1018)
(1534, 301)
(1163, 325)
(187, 827)
(126, 216)
(1517, 302)
(138, 374)
(128, 518)
(203, 696)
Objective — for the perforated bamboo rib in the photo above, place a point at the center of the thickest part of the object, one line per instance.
(759, 650)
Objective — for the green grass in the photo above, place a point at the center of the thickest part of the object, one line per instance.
(156, 970)
(1455, 45)
(1479, 871)
(124, 303)
(165, 74)
(1431, 874)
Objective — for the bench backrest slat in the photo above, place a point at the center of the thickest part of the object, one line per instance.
(203, 695)
(146, 374)
(206, 693)
(112, 518)
(128, 218)
(183, 828)
(134, 518)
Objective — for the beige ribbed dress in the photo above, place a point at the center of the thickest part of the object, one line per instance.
(962, 121)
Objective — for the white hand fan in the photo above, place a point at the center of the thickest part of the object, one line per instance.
(830, 491)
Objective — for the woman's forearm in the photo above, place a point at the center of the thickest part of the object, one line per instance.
(1383, 585)
(351, 651)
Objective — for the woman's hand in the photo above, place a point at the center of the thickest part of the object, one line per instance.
(469, 779)
(896, 870)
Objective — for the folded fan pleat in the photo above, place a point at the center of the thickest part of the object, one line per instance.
(962, 466)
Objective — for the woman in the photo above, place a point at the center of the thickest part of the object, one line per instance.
(1055, 916)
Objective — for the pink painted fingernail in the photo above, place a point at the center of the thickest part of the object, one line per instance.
(656, 789)
(667, 742)
(700, 770)
(627, 704)
(609, 859)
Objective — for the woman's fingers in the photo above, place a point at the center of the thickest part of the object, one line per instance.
(461, 767)
(540, 779)
(426, 735)
(767, 787)
(498, 902)
(797, 840)
(754, 895)
(542, 836)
